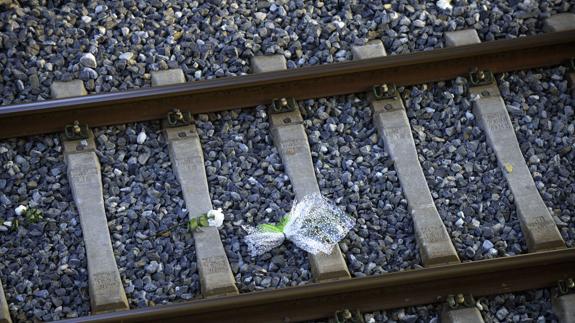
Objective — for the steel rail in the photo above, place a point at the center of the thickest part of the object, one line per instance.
(302, 83)
(393, 290)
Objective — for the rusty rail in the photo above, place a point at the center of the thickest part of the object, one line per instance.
(413, 287)
(310, 82)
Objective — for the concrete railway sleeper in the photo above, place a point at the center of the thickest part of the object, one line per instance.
(293, 143)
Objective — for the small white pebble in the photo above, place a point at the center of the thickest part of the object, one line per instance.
(475, 223)
(127, 56)
(20, 210)
(86, 19)
(260, 16)
(339, 24)
(142, 137)
(459, 222)
(487, 245)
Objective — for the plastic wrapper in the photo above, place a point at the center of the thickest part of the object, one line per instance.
(314, 225)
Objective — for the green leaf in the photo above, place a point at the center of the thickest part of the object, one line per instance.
(281, 225)
(193, 224)
(203, 221)
(278, 227)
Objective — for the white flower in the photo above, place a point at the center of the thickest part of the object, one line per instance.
(216, 218)
(20, 210)
(142, 137)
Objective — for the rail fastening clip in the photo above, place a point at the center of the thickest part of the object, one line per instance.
(76, 131)
(177, 118)
(384, 91)
(479, 77)
(282, 105)
(348, 316)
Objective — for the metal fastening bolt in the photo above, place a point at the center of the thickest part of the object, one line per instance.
(570, 283)
(283, 102)
(481, 75)
(77, 128)
(460, 299)
(388, 107)
(287, 120)
(384, 88)
(179, 114)
(346, 314)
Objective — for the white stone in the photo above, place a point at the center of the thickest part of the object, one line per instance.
(475, 223)
(141, 137)
(459, 222)
(260, 16)
(20, 210)
(88, 60)
(127, 56)
(339, 24)
(86, 19)
(487, 245)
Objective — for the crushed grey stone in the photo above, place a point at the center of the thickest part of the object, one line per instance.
(43, 265)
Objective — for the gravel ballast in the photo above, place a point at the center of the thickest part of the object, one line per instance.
(113, 46)
(247, 180)
(541, 109)
(468, 187)
(143, 198)
(43, 264)
(355, 172)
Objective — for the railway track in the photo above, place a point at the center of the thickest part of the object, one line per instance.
(442, 268)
